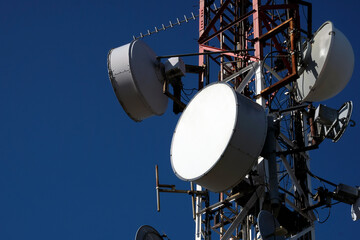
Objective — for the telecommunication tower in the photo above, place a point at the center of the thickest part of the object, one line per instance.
(244, 137)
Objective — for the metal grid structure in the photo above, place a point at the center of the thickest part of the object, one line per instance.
(265, 37)
(258, 48)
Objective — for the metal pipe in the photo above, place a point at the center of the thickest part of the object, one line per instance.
(270, 155)
(193, 200)
(157, 188)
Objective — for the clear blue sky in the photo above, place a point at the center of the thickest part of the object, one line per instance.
(72, 164)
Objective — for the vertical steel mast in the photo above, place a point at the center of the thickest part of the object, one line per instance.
(265, 39)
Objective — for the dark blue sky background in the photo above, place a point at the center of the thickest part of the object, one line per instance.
(72, 164)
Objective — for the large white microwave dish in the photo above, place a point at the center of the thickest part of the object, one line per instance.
(330, 65)
(135, 75)
(218, 138)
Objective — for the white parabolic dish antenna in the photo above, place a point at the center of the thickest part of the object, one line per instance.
(218, 138)
(137, 81)
(147, 232)
(330, 65)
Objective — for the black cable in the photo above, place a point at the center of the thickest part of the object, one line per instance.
(283, 176)
(266, 56)
(187, 96)
(188, 89)
(186, 100)
(328, 216)
(335, 203)
(321, 179)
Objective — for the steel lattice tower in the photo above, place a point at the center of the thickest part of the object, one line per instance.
(264, 37)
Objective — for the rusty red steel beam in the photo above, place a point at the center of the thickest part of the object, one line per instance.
(226, 23)
(242, 18)
(214, 19)
(282, 83)
(271, 20)
(275, 18)
(274, 39)
(215, 30)
(294, 74)
(215, 49)
(274, 30)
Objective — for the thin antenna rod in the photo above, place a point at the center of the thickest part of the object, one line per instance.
(171, 25)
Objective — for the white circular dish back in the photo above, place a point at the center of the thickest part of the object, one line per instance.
(330, 65)
(218, 138)
(133, 71)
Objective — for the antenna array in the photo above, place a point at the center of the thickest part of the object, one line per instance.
(246, 136)
(178, 22)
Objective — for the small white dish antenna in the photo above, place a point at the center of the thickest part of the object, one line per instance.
(136, 77)
(332, 123)
(218, 138)
(269, 227)
(328, 66)
(147, 232)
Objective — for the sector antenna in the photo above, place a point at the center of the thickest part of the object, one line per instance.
(251, 117)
